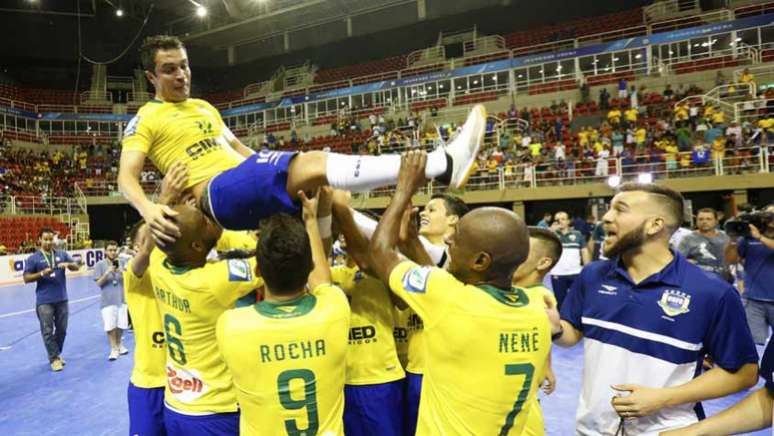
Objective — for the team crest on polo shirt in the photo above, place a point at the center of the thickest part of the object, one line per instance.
(572, 237)
(674, 302)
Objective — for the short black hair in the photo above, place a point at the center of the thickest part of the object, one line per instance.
(454, 205)
(45, 230)
(549, 240)
(284, 254)
(707, 210)
(674, 200)
(152, 44)
(109, 243)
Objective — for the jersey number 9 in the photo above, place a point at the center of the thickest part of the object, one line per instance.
(309, 401)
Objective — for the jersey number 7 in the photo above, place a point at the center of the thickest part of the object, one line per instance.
(527, 370)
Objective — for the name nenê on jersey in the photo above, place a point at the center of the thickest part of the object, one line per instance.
(292, 351)
(520, 341)
(362, 335)
(172, 300)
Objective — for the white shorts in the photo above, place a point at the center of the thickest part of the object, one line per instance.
(115, 317)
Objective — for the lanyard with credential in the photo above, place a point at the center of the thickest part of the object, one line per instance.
(50, 261)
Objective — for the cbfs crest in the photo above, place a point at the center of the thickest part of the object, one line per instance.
(674, 302)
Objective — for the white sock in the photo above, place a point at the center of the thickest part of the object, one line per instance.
(364, 173)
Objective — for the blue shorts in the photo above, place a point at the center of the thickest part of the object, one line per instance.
(218, 424)
(146, 411)
(374, 409)
(240, 197)
(411, 396)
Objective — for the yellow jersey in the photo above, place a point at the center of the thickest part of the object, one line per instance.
(150, 355)
(400, 333)
(409, 325)
(485, 331)
(535, 424)
(191, 132)
(631, 115)
(371, 357)
(288, 361)
(235, 240)
(190, 302)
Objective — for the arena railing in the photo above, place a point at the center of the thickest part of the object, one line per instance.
(668, 8)
(748, 160)
(39, 205)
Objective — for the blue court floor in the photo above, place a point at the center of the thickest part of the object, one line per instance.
(89, 396)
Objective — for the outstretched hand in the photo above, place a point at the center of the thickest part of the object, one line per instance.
(412, 171)
(310, 205)
(408, 224)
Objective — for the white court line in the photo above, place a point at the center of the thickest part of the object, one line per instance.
(21, 312)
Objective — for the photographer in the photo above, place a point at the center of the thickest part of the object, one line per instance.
(109, 278)
(755, 249)
(706, 245)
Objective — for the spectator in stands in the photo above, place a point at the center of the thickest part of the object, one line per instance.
(706, 246)
(546, 221)
(574, 256)
(668, 92)
(47, 269)
(109, 278)
(614, 117)
(634, 98)
(756, 253)
(604, 99)
(622, 89)
(748, 78)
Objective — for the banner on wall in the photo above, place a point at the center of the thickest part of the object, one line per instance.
(12, 267)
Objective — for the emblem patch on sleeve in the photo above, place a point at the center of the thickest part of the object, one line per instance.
(415, 279)
(131, 128)
(239, 271)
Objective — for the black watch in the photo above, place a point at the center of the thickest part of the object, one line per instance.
(558, 334)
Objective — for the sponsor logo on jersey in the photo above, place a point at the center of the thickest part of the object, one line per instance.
(185, 385)
(158, 339)
(239, 271)
(674, 302)
(415, 280)
(360, 335)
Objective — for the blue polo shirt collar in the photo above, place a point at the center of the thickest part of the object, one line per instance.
(670, 275)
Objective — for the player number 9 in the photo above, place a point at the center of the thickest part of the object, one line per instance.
(309, 401)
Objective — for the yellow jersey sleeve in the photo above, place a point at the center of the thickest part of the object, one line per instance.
(235, 240)
(537, 295)
(149, 350)
(424, 289)
(233, 278)
(138, 134)
(344, 277)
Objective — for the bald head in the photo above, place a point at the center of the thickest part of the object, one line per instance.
(198, 234)
(494, 233)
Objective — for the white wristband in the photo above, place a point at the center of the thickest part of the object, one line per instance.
(324, 224)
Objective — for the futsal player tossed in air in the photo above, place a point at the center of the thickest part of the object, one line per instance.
(545, 250)
(231, 184)
(191, 294)
(146, 385)
(475, 322)
(288, 353)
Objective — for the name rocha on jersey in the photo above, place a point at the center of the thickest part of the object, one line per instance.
(292, 351)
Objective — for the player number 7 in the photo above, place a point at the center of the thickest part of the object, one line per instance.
(527, 370)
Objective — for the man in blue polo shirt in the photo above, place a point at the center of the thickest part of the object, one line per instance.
(752, 413)
(756, 253)
(648, 317)
(46, 268)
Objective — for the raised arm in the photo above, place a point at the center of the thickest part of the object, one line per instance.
(321, 274)
(384, 256)
(357, 244)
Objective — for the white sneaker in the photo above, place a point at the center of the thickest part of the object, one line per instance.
(113, 354)
(122, 350)
(464, 148)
